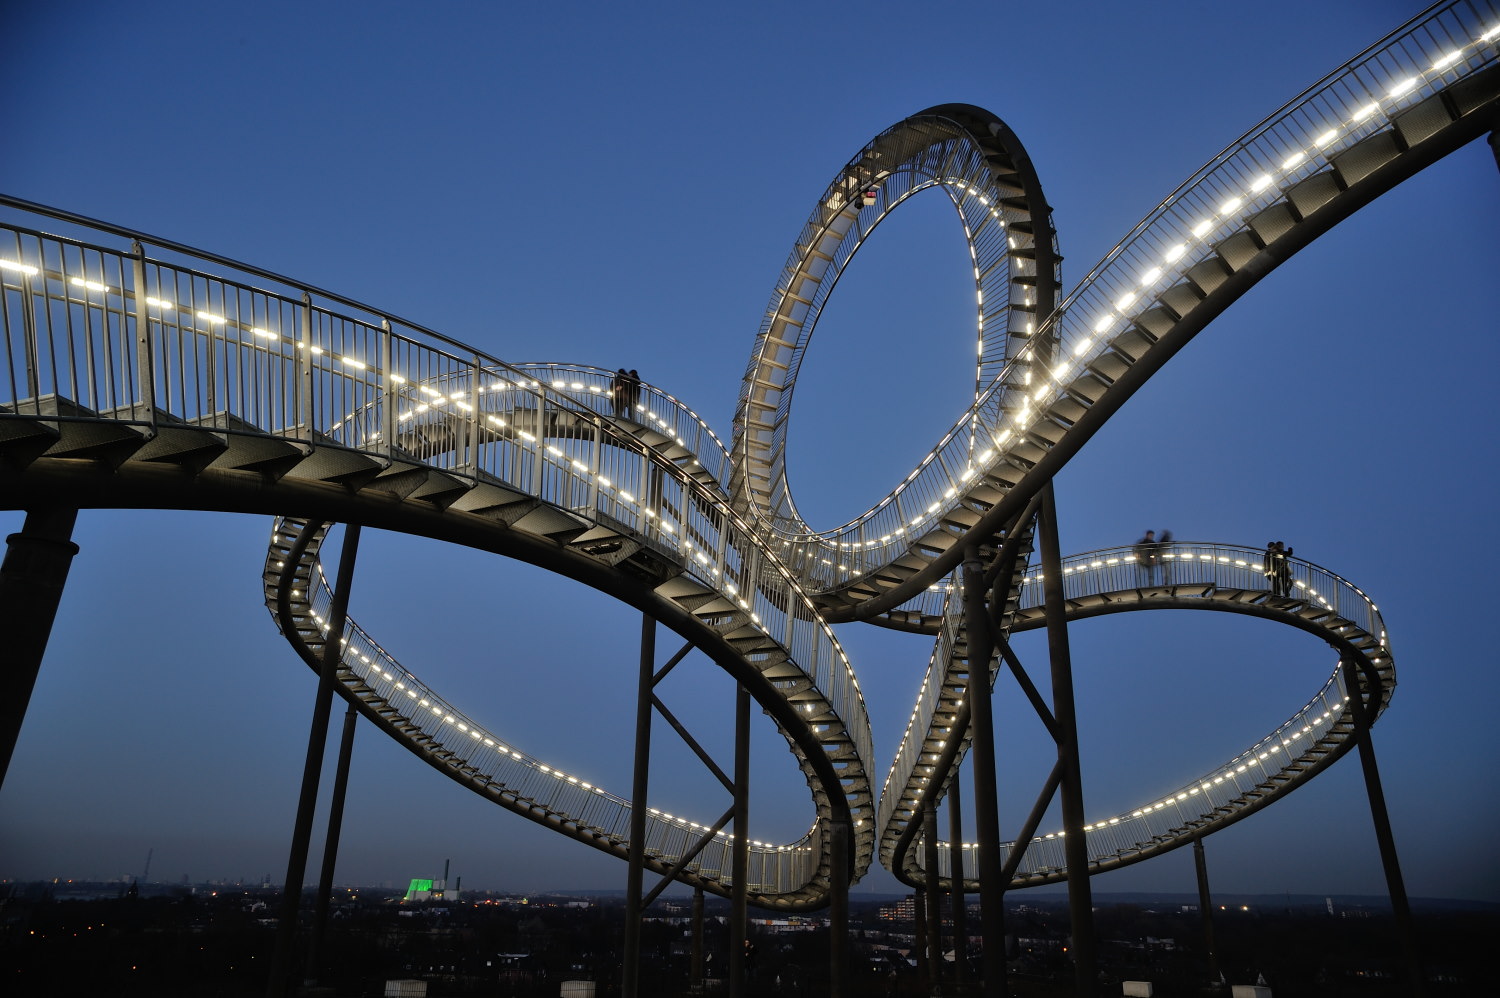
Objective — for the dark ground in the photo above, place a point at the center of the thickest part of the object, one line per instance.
(207, 944)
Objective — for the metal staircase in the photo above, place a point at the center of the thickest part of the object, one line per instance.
(1412, 98)
(131, 380)
(1214, 577)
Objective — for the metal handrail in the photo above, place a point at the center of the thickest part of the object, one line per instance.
(1442, 45)
(1188, 572)
(99, 334)
(659, 411)
(529, 783)
(937, 149)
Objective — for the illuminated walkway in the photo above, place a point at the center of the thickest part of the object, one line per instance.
(1215, 577)
(142, 373)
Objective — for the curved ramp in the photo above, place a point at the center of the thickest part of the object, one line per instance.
(442, 735)
(1217, 577)
(1413, 97)
(135, 379)
(144, 383)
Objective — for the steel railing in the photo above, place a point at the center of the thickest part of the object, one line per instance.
(479, 755)
(101, 334)
(1444, 44)
(1188, 571)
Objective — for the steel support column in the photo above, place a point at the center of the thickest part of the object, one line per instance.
(919, 930)
(1380, 816)
(986, 806)
(956, 891)
(1205, 905)
(934, 940)
(331, 845)
(631, 969)
(1075, 845)
(840, 834)
(317, 737)
(32, 577)
(739, 923)
(695, 972)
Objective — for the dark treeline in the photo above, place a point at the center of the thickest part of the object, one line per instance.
(206, 942)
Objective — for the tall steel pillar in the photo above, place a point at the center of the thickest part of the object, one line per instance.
(1075, 845)
(919, 931)
(32, 577)
(331, 845)
(956, 878)
(934, 940)
(317, 737)
(1380, 816)
(840, 834)
(1205, 905)
(739, 922)
(631, 970)
(982, 756)
(695, 972)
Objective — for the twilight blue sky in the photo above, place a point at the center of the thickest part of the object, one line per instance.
(619, 185)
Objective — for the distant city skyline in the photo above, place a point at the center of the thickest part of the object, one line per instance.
(620, 187)
(677, 894)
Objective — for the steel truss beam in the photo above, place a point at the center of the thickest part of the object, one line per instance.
(636, 902)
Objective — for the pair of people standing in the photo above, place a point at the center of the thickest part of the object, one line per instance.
(1278, 568)
(625, 391)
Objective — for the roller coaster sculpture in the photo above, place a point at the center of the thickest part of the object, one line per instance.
(178, 379)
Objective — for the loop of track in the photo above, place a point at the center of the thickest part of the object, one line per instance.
(155, 384)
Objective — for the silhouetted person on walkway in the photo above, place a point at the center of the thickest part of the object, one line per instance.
(1276, 569)
(1161, 557)
(619, 392)
(633, 390)
(1147, 556)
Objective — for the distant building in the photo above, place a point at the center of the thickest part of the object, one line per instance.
(795, 923)
(433, 890)
(904, 910)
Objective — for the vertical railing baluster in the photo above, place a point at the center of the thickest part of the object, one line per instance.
(475, 428)
(596, 433)
(29, 335)
(539, 446)
(388, 386)
(144, 391)
(305, 367)
(213, 330)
